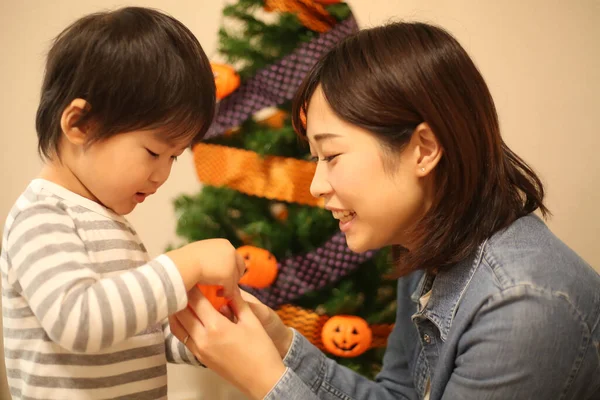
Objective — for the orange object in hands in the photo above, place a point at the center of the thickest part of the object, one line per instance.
(261, 267)
(211, 293)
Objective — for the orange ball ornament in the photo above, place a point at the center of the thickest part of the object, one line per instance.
(210, 292)
(227, 79)
(261, 267)
(346, 336)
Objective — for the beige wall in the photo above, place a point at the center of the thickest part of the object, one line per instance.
(541, 60)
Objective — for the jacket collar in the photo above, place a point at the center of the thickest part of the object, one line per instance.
(447, 289)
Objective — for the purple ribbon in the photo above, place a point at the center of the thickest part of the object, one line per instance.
(312, 271)
(277, 82)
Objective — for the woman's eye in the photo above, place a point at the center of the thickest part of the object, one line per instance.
(326, 159)
(153, 154)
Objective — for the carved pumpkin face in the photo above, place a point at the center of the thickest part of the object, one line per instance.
(226, 79)
(261, 267)
(346, 335)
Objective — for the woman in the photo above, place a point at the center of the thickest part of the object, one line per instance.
(491, 305)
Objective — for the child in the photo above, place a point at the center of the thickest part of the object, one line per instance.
(125, 93)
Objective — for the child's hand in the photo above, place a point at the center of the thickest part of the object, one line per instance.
(209, 262)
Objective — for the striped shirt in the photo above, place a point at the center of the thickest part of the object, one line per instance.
(84, 307)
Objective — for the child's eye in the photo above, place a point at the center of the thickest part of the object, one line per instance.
(153, 154)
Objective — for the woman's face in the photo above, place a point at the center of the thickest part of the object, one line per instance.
(375, 205)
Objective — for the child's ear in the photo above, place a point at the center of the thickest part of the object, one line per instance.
(76, 134)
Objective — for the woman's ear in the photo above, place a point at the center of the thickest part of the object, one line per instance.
(428, 149)
(75, 134)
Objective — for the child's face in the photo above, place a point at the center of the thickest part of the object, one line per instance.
(121, 171)
(375, 206)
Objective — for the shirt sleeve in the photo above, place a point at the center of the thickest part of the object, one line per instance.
(311, 375)
(176, 351)
(80, 310)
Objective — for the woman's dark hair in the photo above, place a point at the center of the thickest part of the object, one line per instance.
(390, 79)
(137, 68)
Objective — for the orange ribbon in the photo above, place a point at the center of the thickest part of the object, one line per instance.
(312, 15)
(310, 324)
(272, 177)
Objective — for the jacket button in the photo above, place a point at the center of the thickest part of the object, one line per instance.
(427, 338)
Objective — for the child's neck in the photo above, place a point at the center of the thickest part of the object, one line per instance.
(60, 174)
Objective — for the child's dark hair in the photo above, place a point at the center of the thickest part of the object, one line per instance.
(390, 79)
(137, 68)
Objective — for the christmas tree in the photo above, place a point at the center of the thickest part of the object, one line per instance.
(256, 175)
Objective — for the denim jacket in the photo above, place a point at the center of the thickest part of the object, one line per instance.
(519, 319)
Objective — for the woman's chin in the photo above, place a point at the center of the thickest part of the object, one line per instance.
(356, 245)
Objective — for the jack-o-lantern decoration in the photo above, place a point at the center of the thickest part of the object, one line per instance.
(211, 293)
(261, 267)
(226, 79)
(346, 335)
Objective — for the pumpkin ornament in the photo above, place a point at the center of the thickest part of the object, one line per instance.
(261, 267)
(261, 271)
(226, 79)
(346, 336)
(211, 293)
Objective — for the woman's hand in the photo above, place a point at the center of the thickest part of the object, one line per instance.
(280, 334)
(235, 350)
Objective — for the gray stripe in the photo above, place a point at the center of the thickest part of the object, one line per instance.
(66, 307)
(82, 210)
(167, 285)
(83, 330)
(14, 212)
(46, 303)
(32, 234)
(128, 306)
(103, 224)
(182, 352)
(153, 394)
(106, 315)
(112, 244)
(9, 293)
(32, 196)
(33, 333)
(87, 383)
(85, 359)
(149, 298)
(47, 251)
(47, 274)
(169, 348)
(117, 265)
(17, 312)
